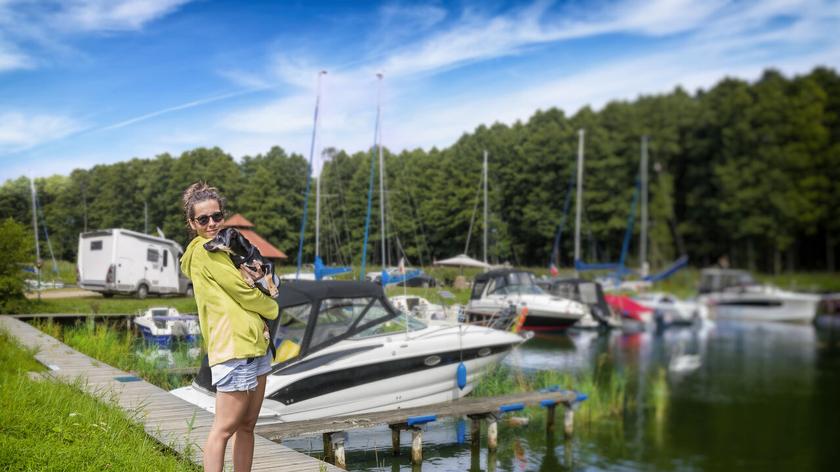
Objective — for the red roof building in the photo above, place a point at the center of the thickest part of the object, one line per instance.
(245, 228)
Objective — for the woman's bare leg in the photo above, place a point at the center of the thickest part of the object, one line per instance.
(231, 408)
(243, 442)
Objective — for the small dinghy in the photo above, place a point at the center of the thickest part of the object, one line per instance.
(160, 325)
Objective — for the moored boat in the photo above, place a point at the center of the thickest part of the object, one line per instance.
(162, 325)
(343, 349)
(499, 289)
(734, 294)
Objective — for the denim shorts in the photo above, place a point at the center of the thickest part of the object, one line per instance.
(241, 374)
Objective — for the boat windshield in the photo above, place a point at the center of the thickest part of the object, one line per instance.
(522, 283)
(394, 325)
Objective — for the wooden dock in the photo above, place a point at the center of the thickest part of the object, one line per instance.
(469, 406)
(175, 423)
(488, 410)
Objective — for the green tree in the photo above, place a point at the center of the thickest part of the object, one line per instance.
(16, 246)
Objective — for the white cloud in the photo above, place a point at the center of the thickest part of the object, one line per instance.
(19, 131)
(708, 41)
(110, 15)
(36, 29)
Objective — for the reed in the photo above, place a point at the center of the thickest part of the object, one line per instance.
(609, 390)
(122, 349)
(49, 425)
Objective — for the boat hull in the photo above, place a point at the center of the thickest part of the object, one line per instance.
(758, 307)
(392, 372)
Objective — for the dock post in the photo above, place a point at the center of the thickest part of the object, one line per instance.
(337, 440)
(328, 449)
(491, 460)
(492, 433)
(569, 421)
(395, 439)
(416, 445)
(475, 432)
(549, 418)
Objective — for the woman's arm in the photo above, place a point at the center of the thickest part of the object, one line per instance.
(219, 267)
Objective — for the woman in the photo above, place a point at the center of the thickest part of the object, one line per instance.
(230, 313)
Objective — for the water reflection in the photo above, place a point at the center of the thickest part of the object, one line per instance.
(760, 396)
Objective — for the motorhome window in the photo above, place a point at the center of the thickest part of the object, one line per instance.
(165, 258)
(152, 255)
(96, 245)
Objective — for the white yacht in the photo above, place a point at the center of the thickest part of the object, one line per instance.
(499, 289)
(734, 294)
(343, 349)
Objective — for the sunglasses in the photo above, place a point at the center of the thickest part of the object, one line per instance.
(204, 219)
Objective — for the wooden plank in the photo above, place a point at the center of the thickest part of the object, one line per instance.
(457, 408)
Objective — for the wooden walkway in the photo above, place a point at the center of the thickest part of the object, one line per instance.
(175, 423)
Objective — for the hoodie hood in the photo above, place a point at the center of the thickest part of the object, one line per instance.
(186, 259)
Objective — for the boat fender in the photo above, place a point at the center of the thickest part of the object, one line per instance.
(512, 407)
(415, 420)
(461, 431)
(461, 376)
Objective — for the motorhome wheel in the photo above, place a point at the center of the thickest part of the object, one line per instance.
(142, 291)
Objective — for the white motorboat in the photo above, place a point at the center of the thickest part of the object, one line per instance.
(734, 294)
(499, 289)
(160, 325)
(426, 311)
(671, 309)
(343, 349)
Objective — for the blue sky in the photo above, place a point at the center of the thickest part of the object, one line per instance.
(85, 82)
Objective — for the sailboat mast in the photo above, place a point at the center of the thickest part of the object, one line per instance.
(643, 172)
(579, 197)
(317, 215)
(381, 177)
(35, 230)
(485, 206)
(309, 173)
(35, 219)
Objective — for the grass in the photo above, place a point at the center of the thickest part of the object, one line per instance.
(95, 305)
(122, 349)
(53, 426)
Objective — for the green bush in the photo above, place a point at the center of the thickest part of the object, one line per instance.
(16, 250)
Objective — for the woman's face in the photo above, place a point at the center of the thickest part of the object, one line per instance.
(204, 210)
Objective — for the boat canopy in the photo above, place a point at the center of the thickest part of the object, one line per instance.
(505, 281)
(314, 315)
(717, 280)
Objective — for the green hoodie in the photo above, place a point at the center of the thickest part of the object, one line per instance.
(228, 309)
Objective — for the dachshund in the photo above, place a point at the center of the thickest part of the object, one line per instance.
(247, 258)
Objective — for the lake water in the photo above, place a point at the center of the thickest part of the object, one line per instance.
(765, 397)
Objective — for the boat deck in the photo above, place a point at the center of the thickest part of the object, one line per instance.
(175, 423)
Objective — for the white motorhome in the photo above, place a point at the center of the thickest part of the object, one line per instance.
(122, 261)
